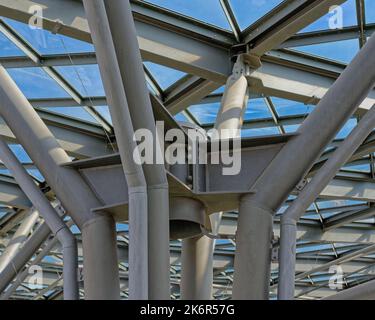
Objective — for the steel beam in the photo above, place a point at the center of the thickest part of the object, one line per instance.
(284, 22)
(184, 48)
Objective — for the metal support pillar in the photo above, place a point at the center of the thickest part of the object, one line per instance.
(197, 268)
(253, 240)
(75, 195)
(288, 168)
(131, 68)
(309, 193)
(119, 110)
(18, 238)
(197, 253)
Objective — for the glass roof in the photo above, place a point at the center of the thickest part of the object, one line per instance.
(248, 12)
(74, 91)
(208, 11)
(342, 51)
(349, 17)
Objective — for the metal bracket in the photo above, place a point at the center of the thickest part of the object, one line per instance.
(301, 184)
(241, 52)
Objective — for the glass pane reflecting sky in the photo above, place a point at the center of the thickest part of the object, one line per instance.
(208, 11)
(35, 83)
(249, 11)
(163, 75)
(370, 11)
(343, 51)
(349, 18)
(86, 79)
(7, 48)
(46, 42)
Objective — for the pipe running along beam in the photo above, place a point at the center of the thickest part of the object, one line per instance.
(123, 126)
(131, 68)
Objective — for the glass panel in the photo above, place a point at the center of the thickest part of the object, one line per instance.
(358, 168)
(337, 203)
(205, 113)
(104, 111)
(347, 13)
(35, 83)
(181, 117)
(257, 109)
(342, 51)
(286, 107)
(20, 153)
(85, 79)
(370, 11)
(208, 11)
(347, 128)
(163, 75)
(291, 128)
(46, 42)
(259, 132)
(8, 48)
(249, 11)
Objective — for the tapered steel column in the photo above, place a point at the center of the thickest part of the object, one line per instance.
(289, 166)
(118, 107)
(53, 220)
(197, 268)
(197, 253)
(18, 238)
(310, 192)
(233, 105)
(75, 195)
(131, 67)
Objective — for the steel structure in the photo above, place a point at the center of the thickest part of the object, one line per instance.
(185, 231)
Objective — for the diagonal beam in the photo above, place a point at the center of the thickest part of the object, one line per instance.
(286, 21)
(298, 77)
(346, 218)
(188, 91)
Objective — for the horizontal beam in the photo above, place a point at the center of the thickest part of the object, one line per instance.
(80, 139)
(188, 91)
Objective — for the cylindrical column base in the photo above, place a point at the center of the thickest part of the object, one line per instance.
(138, 244)
(252, 261)
(196, 268)
(100, 264)
(287, 259)
(158, 243)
